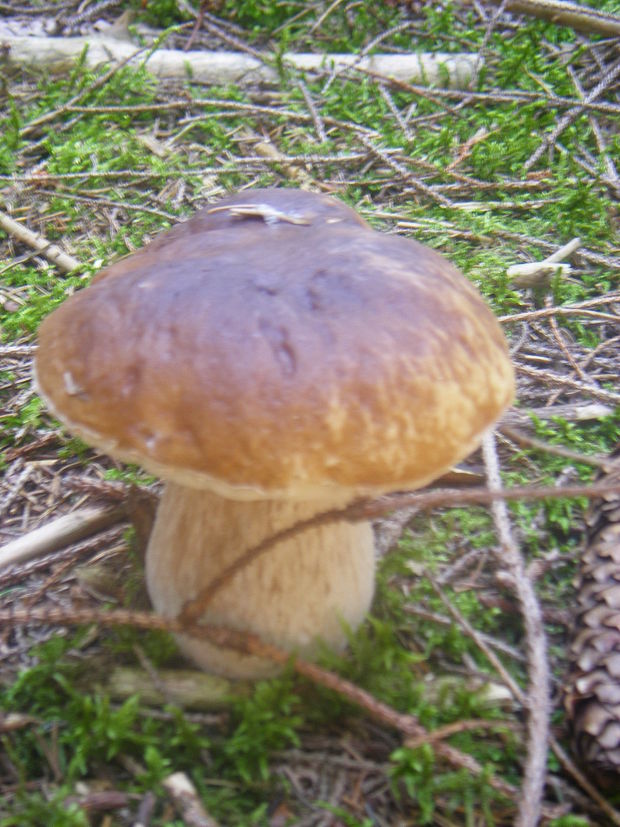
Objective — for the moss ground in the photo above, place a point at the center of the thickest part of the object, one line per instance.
(101, 175)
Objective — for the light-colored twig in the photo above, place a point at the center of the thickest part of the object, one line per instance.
(187, 801)
(563, 310)
(221, 67)
(582, 18)
(531, 273)
(60, 533)
(612, 173)
(404, 173)
(107, 542)
(50, 251)
(538, 695)
(318, 123)
(524, 417)
(478, 639)
(545, 376)
(584, 782)
(454, 728)
(187, 688)
(559, 338)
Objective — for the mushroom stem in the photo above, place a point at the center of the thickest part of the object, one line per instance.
(304, 590)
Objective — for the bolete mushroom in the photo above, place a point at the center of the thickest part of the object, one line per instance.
(271, 358)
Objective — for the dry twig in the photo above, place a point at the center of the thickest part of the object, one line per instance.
(538, 696)
(52, 252)
(561, 13)
(249, 644)
(187, 800)
(60, 533)
(368, 509)
(217, 68)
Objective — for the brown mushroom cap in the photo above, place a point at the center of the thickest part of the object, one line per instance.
(301, 355)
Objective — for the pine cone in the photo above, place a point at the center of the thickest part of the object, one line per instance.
(592, 693)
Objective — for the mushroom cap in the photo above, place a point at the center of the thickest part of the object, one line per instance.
(277, 346)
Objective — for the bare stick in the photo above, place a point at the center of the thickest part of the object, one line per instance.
(220, 67)
(569, 14)
(52, 253)
(406, 174)
(571, 413)
(448, 730)
(568, 382)
(187, 688)
(478, 639)
(60, 533)
(533, 272)
(186, 799)
(562, 310)
(538, 696)
(584, 782)
(546, 447)
(612, 173)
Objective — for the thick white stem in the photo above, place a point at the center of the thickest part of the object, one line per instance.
(302, 591)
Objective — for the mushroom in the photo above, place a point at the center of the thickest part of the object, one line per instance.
(271, 358)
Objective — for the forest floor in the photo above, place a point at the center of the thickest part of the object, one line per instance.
(427, 718)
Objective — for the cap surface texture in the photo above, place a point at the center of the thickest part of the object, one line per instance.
(291, 353)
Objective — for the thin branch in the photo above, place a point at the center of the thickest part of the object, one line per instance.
(50, 251)
(60, 533)
(187, 801)
(582, 18)
(571, 768)
(106, 202)
(490, 655)
(249, 644)
(563, 310)
(102, 542)
(546, 447)
(571, 115)
(546, 376)
(369, 509)
(404, 173)
(448, 730)
(318, 123)
(538, 696)
(444, 620)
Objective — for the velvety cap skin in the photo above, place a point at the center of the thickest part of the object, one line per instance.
(294, 353)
